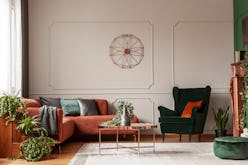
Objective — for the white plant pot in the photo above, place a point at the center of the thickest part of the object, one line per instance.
(245, 133)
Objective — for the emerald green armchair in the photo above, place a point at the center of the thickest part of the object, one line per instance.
(171, 120)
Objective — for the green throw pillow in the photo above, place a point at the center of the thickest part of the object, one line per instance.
(70, 107)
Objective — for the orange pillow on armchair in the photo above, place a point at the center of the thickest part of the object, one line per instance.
(187, 112)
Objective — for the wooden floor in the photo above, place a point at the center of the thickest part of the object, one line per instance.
(70, 147)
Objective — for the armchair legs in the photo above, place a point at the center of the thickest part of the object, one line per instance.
(189, 137)
(163, 136)
(180, 137)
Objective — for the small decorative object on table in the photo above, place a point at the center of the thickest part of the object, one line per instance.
(221, 118)
(125, 110)
(124, 115)
(245, 133)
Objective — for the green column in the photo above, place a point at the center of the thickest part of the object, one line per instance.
(240, 8)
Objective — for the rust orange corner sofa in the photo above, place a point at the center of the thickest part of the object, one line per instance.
(68, 126)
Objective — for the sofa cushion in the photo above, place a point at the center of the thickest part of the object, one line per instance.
(70, 107)
(55, 102)
(89, 125)
(31, 102)
(102, 106)
(187, 112)
(87, 107)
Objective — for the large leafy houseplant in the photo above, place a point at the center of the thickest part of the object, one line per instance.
(36, 148)
(221, 117)
(9, 105)
(28, 125)
(244, 95)
(38, 145)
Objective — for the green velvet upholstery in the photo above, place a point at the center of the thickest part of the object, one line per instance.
(231, 147)
(171, 120)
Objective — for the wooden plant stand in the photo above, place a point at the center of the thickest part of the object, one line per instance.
(10, 140)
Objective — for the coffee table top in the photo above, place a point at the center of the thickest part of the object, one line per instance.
(143, 126)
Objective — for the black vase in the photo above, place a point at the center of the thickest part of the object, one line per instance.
(220, 133)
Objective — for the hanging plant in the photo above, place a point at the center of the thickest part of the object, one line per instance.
(9, 105)
(244, 95)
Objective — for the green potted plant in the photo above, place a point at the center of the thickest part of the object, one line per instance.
(28, 126)
(221, 117)
(36, 148)
(37, 145)
(125, 112)
(9, 105)
(244, 95)
(120, 107)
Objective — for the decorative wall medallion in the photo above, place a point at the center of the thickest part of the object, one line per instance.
(126, 51)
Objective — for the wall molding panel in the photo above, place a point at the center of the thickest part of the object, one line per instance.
(72, 44)
(143, 107)
(188, 59)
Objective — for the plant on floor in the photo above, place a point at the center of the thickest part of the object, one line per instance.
(221, 117)
(38, 145)
(37, 148)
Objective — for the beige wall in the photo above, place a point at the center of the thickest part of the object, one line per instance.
(188, 43)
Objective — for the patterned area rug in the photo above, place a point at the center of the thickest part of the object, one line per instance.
(165, 154)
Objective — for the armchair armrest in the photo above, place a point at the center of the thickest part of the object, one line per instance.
(166, 111)
(59, 115)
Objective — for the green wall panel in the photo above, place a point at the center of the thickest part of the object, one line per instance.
(240, 11)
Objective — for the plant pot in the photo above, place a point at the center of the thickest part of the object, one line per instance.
(125, 120)
(220, 133)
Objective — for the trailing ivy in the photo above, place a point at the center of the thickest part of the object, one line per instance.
(36, 148)
(38, 144)
(244, 95)
(9, 105)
